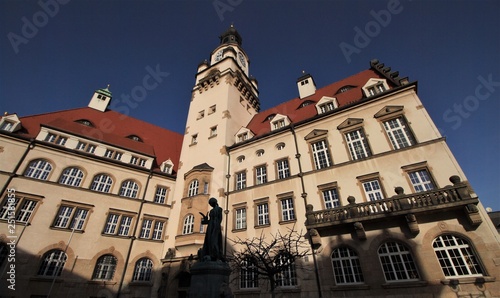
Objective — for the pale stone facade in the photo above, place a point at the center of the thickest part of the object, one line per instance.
(104, 209)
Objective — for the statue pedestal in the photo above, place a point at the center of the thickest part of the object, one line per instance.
(210, 279)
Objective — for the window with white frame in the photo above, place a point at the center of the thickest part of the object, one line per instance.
(53, 263)
(331, 198)
(327, 107)
(160, 195)
(357, 144)
(282, 168)
(193, 188)
(188, 226)
(167, 166)
(279, 124)
(263, 214)
(242, 137)
(118, 224)
(280, 146)
(56, 139)
(421, 180)
(143, 270)
(101, 183)
(372, 190)
(71, 217)
(376, 89)
(7, 126)
(82, 146)
(397, 262)
(105, 268)
(287, 212)
(240, 218)
(241, 180)
(38, 169)
(456, 257)
(260, 175)
(113, 154)
(249, 277)
(71, 176)
(152, 229)
(287, 276)
(321, 154)
(22, 207)
(399, 133)
(129, 189)
(346, 266)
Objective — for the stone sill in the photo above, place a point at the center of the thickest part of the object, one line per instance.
(468, 280)
(405, 284)
(350, 287)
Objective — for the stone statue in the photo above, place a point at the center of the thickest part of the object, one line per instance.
(212, 246)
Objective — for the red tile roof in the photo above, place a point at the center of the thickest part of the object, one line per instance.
(112, 128)
(259, 124)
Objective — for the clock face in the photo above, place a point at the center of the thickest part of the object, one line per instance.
(242, 60)
(218, 56)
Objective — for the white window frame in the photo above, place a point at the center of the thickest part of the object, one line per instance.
(394, 256)
(152, 229)
(241, 180)
(398, 131)
(24, 208)
(101, 183)
(331, 197)
(53, 263)
(143, 270)
(129, 189)
(260, 174)
(105, 268)
(346, 266)
(321, 154)
(193, 188)
(38, 169)
(240, 218)
(283, 168)
(373, 189)
(458, 256)
(249, 277)
(161, 194)
(287, 209)
(71, 176)
(421, 180)
(188, 225)
(263, 214)
(69, 215)
(118, 224)
(357, 144)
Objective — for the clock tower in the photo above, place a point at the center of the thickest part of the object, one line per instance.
(224, 99)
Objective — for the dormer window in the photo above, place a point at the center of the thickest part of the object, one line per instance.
(344, 89)
(279, 124)
(85, 122)
(7, 126)
(306, 103)
(167, 167)
(326, 104)
(375, 86)
(56, 139)
(270, 117)
(135, 138)
(243, 137)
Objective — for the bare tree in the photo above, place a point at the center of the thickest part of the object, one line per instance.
(270, 259)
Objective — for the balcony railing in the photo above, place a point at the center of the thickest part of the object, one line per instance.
(401, 204)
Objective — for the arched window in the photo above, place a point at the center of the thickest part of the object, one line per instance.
(71, 177)
(105, 268)
(397, 262)
(143, 270)
(346, 267)
(102, 183)
(53, 263)
(456, 256)
(193, 188)
(129, 189)
(188, 226)
(38, 169)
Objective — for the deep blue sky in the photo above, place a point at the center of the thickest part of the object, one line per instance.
(449, 47)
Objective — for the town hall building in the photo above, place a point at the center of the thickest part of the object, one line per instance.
(101, 204)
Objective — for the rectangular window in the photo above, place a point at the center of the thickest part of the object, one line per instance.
(109, 153)
(278, 124)
(260, 175)
(263, 214)
(249, 277)
(283, 169)
(399, 133)
(327, 107)
(118, 224)
(241, 180)
(61, 140)
(7, 126)
(321, 155)
(194, 139)
(241, 218)
(71, 217)
(213, 131)
(421, 180)
(331, 198)
(152, 229)
(243, 137)
(50, 138)
(81, 146)
(212, 109)
(287, 212)
(160, 195)
(358, 144)
(18, 207)
(90, 148)
(372, 189)
(134, 159)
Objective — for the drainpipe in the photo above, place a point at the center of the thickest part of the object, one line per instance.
(304, 196)
(228, 175)
(133, 238)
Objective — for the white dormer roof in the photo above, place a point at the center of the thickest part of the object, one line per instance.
(326, 104)
(378, 85)
(10, 123)
(243, 134)
(279, 121)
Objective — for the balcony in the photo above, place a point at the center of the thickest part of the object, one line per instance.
(453, 197)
